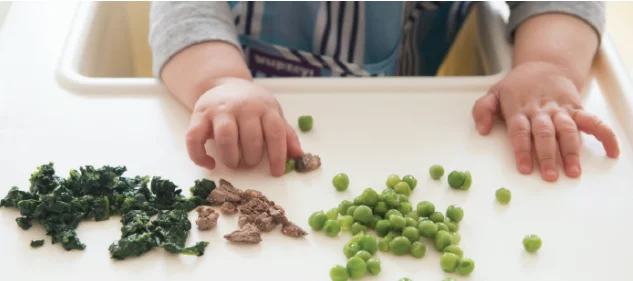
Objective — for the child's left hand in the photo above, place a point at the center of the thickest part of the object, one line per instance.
(542, 109)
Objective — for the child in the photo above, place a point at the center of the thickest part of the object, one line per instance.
(207, 54)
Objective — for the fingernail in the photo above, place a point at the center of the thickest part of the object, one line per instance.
(574, 170)
(551, 173)
(524, 168)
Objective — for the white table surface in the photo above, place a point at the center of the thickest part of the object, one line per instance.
(584, 223)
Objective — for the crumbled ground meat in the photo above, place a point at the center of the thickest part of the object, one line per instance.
(207, 218)
(264, 222)
(254, 206)
(307, 162)
(277, 213)
(248, 234)
(225, 193)
(228, 208)
(245, 219)
(291, 229)
(249, 194)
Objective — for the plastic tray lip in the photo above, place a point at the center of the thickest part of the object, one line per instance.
(68, 76)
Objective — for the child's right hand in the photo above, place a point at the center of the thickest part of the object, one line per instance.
(243, 119)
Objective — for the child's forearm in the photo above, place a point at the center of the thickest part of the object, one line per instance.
(201, 67)
(560, 40)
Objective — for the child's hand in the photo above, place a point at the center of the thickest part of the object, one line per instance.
(243, 119)
(542, 109)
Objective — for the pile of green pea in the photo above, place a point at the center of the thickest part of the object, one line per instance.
(401, 228)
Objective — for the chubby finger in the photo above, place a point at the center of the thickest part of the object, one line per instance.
(544, 135)
(568, 143)
(294, 146)
(483, 112)
(275, 136)
(592, 125)
(226, 139)
(251, 139)
(197, 135)
(519, 133)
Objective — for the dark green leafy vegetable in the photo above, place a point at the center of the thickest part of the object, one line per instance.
(60, 204)
(37, 243)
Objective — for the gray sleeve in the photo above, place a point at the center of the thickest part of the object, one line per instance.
(174, 26)
(592, 12)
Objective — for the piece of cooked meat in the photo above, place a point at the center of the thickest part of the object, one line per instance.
(228, 208)
(265, 222)
(225, 193)
(307, 162)
(254, 206)
(204, 211)
(249, 194)
(248, 234)
(278, 214)
(207, 222)
(245, 219)
(292, 230)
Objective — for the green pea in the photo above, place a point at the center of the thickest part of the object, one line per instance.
(392, 180)
(442, 226)
(346, 222)
(373, 266)
(411, 233)
(443, 239)
(368, 243)
(383, 227)
(449, 262)
(397, 222)
(290, 165)
(411, 181)
(363, 214)
(402, 188)
(383, 245)
(452, 226)
(332, 228)
(436, 217)
(468, 180)
(340, 181)
(350, 249)
(427, 229)
(374, 220)
(358, 228)
(392, 201)
(363, 255)
(317, 220)
(455, 213)
(413, 215)
(387, 191)
(358, 200)
(503, 195)
(411, 222)
(455, 250)
(381, 209)
(305, 123)
(400, 246)
(350, 210)
(418, 249)
(339, 273)
(356, 267)
(425, 208)
(456, 179)
(369, 197)
(332, 214)
(392, 212)
(465, 266)
(342, 208)
(436, 171)
(356, 238)
(456, 238)
(405, 208)
(392, 234)
(532, 243)
(402, 198)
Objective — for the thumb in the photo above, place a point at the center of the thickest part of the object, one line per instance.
(483, 111)
(294, 147)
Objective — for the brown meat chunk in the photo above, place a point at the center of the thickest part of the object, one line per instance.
(204, 211)
(248, 234)
(307, 162)
(228, 208)
(245, 219)
(254, 206)
(264, 222)
(292, 230)
(225, 193)
(249, 194)
(207, 222)
(278, 214)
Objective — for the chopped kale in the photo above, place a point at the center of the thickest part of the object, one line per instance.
(37, 243)
(59, 205)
